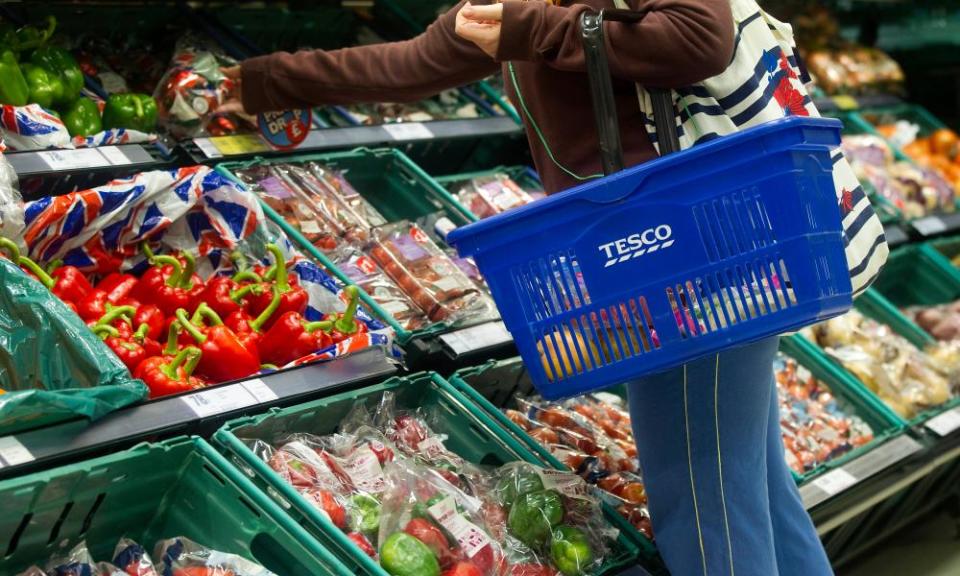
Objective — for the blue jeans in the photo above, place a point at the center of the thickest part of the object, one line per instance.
(722, 499)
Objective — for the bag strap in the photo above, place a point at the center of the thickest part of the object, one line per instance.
(601, 90)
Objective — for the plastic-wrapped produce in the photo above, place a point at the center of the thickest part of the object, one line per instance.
(448, 105)
(915, 190)
(815, 426)
(11, 203)
(434, 282)
(487, 196)
(193, 88)
(593, 438)
(183, 557)
(905, 378)
(365, 272)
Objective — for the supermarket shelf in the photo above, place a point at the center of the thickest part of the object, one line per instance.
(86, 160)
(200, 413)
(448, 352)
(204, 150)
(857, 471)
(936, 225)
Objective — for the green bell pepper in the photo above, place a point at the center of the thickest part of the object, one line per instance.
(404, 555)
(533, 516)
(31, 37)
(45, 86)
(13, 86)
(132, 111)
(571, 551)
(63, 64)
(82, 118)
(364, 512)
(515, 483)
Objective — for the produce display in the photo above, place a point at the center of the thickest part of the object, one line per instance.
(839, 66)
(593, 437)
(398, 264)
(907, 379)
(816, 428)
(166, 314)
(174, 557)
(45, 104)
(939, 151)
(915, 190)
(389, 482)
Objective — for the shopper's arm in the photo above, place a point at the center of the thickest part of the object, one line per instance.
(394, 72)
(679, 42)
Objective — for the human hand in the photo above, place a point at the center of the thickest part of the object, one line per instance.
(234, 102)
(481, 25)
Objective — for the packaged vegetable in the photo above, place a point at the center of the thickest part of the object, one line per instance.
(905, 378)
(132, 559)
(183, 557)
(487, 196)
(428, 275)
(192, 89)
(31, 127)
(815, 426)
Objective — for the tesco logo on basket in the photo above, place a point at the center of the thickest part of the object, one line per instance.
(636, 245)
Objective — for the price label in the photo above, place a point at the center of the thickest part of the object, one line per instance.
(945, 423)
(930, 225)
(227, 398)
(13, 453)
(239, 144)
(408, 131)
(476, 338)
(845, 102)
(114, 155)
(835, 482)
(73, 159)
(207, 147)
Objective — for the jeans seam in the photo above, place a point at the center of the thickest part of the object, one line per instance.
(693, 487)
(716, 421)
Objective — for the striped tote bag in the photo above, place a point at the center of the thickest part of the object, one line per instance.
(764, 82)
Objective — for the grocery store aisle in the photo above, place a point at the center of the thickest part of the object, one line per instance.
(930, 548)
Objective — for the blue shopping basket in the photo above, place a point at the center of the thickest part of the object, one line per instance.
(654, 266)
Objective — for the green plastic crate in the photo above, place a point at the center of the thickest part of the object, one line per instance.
(181, 487)
(918, 115)
(949, 247)
(471, 433)
(919, 274)
(393, 184)
(496, 385)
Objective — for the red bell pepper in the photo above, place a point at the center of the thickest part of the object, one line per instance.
(224, 356)
(67, 283)
(249, 329)
(119, 287)
(162, 286)
(152, 317)
(293, 298)
(292, 337)
(225, 296)
(166, 375)
(130, 352)
(93, 306)
(345, 324)
(71, 284)
(118, 317)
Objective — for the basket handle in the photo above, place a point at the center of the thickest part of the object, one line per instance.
(601, 91)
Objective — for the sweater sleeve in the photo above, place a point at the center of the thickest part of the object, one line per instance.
(403, 71)
(678, 42)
